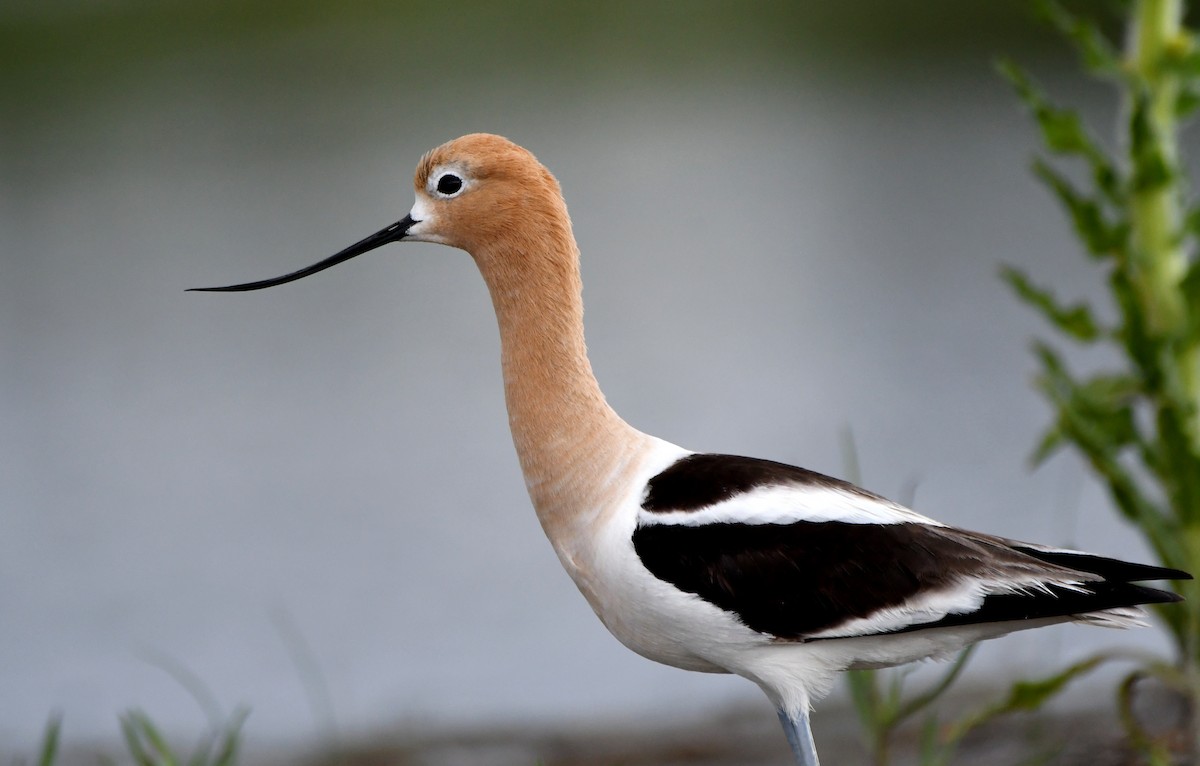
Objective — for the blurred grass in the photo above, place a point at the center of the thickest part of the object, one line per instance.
(147, 745)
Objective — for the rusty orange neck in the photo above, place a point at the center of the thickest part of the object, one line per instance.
(574, 449)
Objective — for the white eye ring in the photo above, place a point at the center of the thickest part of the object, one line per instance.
(448, 184)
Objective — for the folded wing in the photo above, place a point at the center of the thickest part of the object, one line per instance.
(801, 556)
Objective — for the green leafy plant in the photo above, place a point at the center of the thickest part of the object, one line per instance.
(938, 743)
(1136, 424)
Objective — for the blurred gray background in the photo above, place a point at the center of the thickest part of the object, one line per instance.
(792, 216)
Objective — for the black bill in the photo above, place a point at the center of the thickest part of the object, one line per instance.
(393, 233)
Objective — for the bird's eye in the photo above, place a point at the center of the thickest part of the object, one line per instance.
(449, 185)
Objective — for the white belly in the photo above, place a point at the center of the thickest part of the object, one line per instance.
(648, 615)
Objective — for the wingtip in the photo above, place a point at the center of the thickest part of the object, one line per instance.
(1166, 573)
(1158, 595)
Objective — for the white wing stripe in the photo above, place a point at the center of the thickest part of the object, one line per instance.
(788, 504)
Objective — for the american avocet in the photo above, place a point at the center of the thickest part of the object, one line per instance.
(708, 562)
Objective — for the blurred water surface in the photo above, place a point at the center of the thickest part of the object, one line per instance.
(791, 220)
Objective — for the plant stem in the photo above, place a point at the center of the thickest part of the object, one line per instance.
(1158, 258)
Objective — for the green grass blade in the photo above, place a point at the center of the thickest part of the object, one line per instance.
(133, 741)
(227, 754)
(921, 701)
(50, 739)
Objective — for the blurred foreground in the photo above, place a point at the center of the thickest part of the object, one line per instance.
(746, 735)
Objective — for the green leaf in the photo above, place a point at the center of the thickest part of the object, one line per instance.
(1141, 349)
(1182, 61)
(1101, 236)
(1187, 101)
(1101, 437)
(1055, 374)
(1063, 132)
(1052, 440)
(1024, 696)
(1075, 320)
(1151, 168)
(1107, 400)
(1095, 51)
(1097, 414)
(1062, 129)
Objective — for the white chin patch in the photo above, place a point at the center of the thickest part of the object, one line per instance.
(422, 213)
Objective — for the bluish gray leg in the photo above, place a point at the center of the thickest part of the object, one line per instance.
(799, 736)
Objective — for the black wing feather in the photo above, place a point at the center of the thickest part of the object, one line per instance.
(792, 581)
(1109, 569)
(796, 580)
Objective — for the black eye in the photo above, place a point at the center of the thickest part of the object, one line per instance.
(449, 184)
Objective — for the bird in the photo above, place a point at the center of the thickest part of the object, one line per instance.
(712, 562)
